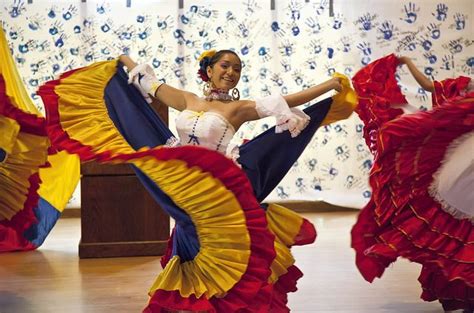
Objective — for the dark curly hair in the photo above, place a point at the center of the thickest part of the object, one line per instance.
(210, 61)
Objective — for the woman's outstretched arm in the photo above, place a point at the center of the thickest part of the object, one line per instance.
(247, 110)
(304, 96)
(170, 96)
(421, 79)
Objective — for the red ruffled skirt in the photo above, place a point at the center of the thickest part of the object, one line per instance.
(402, 218)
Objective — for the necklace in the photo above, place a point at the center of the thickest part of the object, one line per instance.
(218, 94)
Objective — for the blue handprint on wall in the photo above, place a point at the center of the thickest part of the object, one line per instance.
(330, 171)
(313, 25)
(448, 62)
(411, 13)
(426, 43)
(295, 30)
(459, 21)
(330, 69)
(430, 72)
(387, 29)
(366, 51)
(52, 12)
(281, 193)
(342, 152)
(101, 8)
(263, 52)
(468, 66)
(287, 48)
(35, 22)
(434, 30)
(294, 10)
(16, 9)
(345, 44)
(330, 52)
(60, 41)
(312, 164)
(366, 21)
(54, 29)
(455, 46)
(277, 29)
(69, 12)
(408, 43)
(337, 22)
(311, 64)
(421, 94)
(300, 185)
(105, 27)
(144, 34)
(277, 80)
(430, 57)
(441, 12)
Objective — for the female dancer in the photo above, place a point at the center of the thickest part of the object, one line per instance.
(422, 180)
(227, 253)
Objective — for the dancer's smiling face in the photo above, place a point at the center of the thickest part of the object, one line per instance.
(225, 73)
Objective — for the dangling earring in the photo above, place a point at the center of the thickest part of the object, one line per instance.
(206, 89)
(235, 94)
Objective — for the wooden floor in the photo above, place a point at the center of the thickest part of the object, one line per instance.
(53, 278)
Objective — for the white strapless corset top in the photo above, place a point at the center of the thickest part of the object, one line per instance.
(207, 129)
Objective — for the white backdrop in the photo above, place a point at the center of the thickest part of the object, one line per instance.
(284, 50)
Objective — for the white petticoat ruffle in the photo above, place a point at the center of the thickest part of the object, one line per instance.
(453, 182)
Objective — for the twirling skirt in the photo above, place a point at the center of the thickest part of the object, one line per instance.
(227, 253)
(36, 182)
(406, 215)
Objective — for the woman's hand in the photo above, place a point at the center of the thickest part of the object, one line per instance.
(144, 79)
(336, 84)
(403, 59)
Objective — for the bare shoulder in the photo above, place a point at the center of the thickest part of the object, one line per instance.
(190, 96)
(193, 101)
(243, 111)
(242, 105)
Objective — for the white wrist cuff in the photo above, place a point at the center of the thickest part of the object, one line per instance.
(293, 120)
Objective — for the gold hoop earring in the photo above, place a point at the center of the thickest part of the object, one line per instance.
(235, 94)
(206, 89)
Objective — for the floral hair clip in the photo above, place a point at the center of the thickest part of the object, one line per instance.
(204, 60)
(207, 54)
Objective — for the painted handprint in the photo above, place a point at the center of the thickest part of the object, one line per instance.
(431, 57)
(434, 31)
(459, 21)
(441, 12)
(366, 21)
(366, 51)
(276, 29)
(263, 53)
(448, 62)
(337, 22)
(69, 12)
(425, 43)
(468, 66)
(455, 46)
(16, 9)
(287, 48)
(345, 43)
(411, 13)
(313, 25)
(387, 30)
(323, 4)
